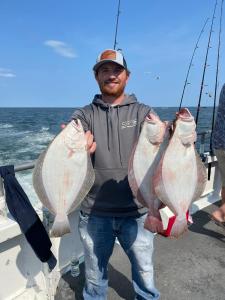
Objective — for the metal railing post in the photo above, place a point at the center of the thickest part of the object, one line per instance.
(24, 167)
(202, 141)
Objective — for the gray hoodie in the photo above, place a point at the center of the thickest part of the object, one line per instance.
(115, 129)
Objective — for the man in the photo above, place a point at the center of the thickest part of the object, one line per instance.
(219, 148)
(109, 211)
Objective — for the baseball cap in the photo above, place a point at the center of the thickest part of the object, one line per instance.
(110, 55)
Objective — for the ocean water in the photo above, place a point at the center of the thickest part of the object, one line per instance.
(26, 132)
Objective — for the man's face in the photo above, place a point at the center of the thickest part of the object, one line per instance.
(112, 79)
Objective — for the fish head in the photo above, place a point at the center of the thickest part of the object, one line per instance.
(155, 128)
(185, 126)
(74, 136)
(184, 114)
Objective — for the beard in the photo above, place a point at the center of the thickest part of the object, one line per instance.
(115, 91)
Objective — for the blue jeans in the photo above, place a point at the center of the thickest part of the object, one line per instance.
(98, 236)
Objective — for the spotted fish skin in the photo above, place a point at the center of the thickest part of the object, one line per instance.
(180, 177)
(144, 159)
(63, 175)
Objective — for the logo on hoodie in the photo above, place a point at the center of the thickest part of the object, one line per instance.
(130, 123)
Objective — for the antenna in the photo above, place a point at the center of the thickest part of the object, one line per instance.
(117, 23)
(205, 65)
(190, 64)
(217, 71)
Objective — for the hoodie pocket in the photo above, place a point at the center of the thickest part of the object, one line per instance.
(111, 190)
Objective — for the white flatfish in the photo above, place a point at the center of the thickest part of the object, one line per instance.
(144, 159)
(180, 177)
(63, 175)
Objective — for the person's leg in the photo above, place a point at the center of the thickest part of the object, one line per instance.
(137, 242)
(220, 154)
(98, 240)
(219, 214)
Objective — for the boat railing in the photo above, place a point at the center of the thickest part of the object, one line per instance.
(22, 167)
(26, 166)
(202, 142)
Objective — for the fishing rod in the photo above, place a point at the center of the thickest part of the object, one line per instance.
(217, 71)
(205, 65)
(190, 64)
(117, 24)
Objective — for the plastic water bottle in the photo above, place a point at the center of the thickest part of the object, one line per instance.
(75, 266)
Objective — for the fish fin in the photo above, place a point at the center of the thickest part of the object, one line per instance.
(179, 227)
(131, 176)
(138, 198)
(38, 182)
(158, 183)
(202, 177)
(60, 226)
(86, 186)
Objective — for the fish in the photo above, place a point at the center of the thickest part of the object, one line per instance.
(180, 177)
(63, 175)
(144, 158)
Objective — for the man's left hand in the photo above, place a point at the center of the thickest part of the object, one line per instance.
(153, 223)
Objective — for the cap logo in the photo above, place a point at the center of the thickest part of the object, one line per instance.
(108, 54)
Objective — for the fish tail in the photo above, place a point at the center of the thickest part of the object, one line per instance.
(179, 227)
(60, 226)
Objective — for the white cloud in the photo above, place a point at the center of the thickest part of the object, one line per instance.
(7, 73)
(61, 48)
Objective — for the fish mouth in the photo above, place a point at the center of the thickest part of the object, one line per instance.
(76, 124)
(152, 118)
(185, 115)
(76, 121)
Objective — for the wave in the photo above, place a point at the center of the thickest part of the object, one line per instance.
(37, 139)
(25, 179)
(10, 132)
(6, 125)
(18, 148)
(44, 129)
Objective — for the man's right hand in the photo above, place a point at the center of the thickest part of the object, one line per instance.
(91, 145)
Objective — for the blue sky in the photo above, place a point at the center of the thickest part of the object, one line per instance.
(48, 49)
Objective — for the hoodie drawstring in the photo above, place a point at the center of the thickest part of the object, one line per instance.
(107, 122)
(119, 133)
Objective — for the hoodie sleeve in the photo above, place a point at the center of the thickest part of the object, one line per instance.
(80, 114)
(144, 110)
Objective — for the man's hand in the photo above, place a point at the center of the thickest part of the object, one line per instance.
(91, 145)
(153, 223)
